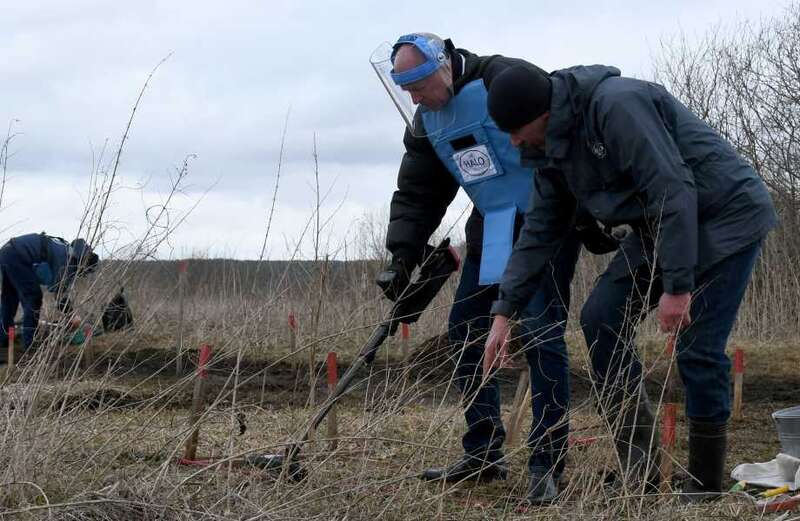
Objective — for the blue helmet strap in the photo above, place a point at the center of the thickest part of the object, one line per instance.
(434, 55)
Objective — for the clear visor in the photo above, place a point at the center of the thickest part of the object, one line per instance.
(433, 92)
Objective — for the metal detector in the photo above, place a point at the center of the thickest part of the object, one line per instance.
(437, 266)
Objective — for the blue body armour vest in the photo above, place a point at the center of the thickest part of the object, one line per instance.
(487, 166)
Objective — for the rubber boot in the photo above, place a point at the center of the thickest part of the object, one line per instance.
(542, 487)
(636, 439)
(708, 445)
(468, 468)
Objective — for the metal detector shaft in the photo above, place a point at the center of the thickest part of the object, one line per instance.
(440, 263)
(365, 357)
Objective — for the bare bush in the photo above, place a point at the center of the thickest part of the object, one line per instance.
(744, 80)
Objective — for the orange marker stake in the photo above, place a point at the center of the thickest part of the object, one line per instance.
(738, 381)
(190, 449)
(333, 379)
(584, 441)
(668, 424)
(405, 334)
(668, 417)
(12, 332)
(778, 504)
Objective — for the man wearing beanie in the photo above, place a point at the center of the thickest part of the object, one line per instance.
(451, 142)
(632, 154)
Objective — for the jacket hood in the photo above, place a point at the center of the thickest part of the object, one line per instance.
(572, 91)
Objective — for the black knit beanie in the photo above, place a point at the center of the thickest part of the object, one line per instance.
(517, 96)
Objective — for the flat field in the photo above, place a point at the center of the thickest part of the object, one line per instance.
(103, 442)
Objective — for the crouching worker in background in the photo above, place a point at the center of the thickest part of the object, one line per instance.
(30, 261)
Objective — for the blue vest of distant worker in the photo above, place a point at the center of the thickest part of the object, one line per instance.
(487, 166)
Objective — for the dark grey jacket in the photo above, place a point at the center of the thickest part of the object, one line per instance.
(424, 186)
(630, 153)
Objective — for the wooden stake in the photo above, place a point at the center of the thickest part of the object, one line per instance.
(293, 334)
(88, 347)
(526, 405)
(523, 391)
(668, 418)
(333, 379)
(263, 386)
(312, 351)
(183, 267)
(738, 380)
(190, 450)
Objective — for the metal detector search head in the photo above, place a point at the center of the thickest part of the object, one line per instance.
(277, 462)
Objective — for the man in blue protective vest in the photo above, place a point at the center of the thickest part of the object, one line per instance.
(452, 142)
(632, 154)
(30, 261)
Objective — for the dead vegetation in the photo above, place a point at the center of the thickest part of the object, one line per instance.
(105, 445)
(101, 441)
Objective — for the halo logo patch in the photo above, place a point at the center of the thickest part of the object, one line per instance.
(475, 163)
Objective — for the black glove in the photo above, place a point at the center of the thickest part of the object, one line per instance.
(596, 238)
(394, 279)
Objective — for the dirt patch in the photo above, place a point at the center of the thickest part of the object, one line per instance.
(286, 384)
(106, 398)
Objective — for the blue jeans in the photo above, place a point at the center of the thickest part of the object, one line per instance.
(19, 286)
(541, 332)
(629, 288)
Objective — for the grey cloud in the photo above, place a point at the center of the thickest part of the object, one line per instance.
(72, 71)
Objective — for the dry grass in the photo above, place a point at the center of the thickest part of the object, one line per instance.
(103, 444)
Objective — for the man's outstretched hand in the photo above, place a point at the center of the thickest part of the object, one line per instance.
(496, 351)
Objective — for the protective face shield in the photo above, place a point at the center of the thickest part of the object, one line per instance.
(430, 82)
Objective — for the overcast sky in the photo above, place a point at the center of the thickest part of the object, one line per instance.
(71, 72)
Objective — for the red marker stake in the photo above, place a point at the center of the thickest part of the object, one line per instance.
(12, 333)
(738, 380)
(333, 379)
(668, 417)
(584, 441)
(292, 332)
(190, 450)
(668, 424)
(405, 334)
(778, 504)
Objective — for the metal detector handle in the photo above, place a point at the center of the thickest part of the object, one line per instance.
(439, 263)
